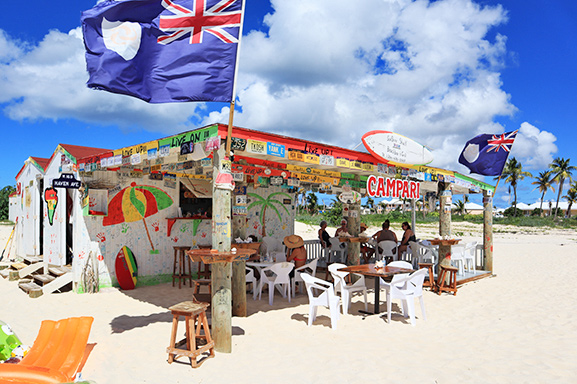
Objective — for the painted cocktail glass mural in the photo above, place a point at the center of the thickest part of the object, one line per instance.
(135, 203)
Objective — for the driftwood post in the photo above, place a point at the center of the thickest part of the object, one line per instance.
(221, 272)
(354, 222)
(446, 201)
(238, 271)
(488, 229)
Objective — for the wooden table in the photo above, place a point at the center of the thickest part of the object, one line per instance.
(207, 256)
(371, 271)
(444, 241)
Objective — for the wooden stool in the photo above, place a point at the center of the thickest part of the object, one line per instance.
(199, 282)
(195, 321)
(431, 282)
(452, 286)
(181, 260)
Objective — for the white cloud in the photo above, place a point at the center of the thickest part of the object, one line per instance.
(534, 147)
(48, 81)
(326, 70)
(425, 70)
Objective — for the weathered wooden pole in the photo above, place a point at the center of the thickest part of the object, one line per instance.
(221, 272)
(354, 222)
(488, 229)
(414, 215)
(446, 200)
(238, 270)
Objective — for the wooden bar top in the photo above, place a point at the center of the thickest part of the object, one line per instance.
(346, 239)
(370, 270)
(444, 241)
(209, 256)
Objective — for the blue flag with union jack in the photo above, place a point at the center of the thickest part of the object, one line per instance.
(163, 51)
(486, 154)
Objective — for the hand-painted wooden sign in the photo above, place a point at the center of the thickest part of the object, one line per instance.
(51, 198)
(378, 186)
(397, 149)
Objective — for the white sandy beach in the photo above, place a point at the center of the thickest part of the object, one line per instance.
(516, 327)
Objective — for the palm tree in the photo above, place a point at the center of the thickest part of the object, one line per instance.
(543, 182)
(460, 207)
(571, 197)
(513, 173)
(312, 203)
(561, 170)
(269, 202)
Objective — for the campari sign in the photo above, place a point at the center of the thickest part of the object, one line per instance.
(378, 186)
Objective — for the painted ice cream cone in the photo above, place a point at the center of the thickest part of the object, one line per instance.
(51, 198)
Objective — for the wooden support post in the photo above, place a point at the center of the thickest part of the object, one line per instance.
(354, 222)
(238, 271)
(221, 272)
(414, 215)
(446, 200)
(488, 230)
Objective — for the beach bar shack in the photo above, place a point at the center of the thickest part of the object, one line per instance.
(154, 196)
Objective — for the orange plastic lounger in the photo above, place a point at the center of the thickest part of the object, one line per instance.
(55, 356)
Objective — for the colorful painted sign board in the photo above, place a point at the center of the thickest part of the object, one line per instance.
(397, 149)
(378, 186)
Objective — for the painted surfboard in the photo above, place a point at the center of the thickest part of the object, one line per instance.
(396, 149)
(126, 269)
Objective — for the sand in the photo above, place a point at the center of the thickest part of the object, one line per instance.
(517, 326)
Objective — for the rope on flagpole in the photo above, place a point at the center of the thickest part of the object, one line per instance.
(232, 102)
(504, 164)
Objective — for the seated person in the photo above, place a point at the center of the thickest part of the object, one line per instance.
(342, 230)
(385, 234)
(408, 235)
(324, 236)
(296, 251)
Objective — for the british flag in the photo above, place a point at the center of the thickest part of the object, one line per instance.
(164, 51)
(199, 20)
(486, 154)
(503, 141)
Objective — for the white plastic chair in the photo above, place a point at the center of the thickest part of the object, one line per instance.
(427, 253)
(310, 268)
(388, 246)
(251, 279)
(407, 289)
(274, 248)
(470, 262)
(347, 289)
(400, 264)
(326, 298)
(276, 275)
(458, 257)
(336, 250)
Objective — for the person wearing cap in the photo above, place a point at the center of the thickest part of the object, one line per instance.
(296, 251)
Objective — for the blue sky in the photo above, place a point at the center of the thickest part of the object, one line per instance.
(439, 72)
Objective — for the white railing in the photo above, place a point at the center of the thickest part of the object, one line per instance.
(314, 249)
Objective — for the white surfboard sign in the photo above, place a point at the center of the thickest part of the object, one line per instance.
(396, 149)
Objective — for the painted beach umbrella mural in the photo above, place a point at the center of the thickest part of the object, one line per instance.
(135, 203)
(269, 202)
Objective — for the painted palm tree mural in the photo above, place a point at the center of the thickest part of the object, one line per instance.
(270, 202)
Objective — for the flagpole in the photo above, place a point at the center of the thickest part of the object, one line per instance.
(232, 102)
(505, 163)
